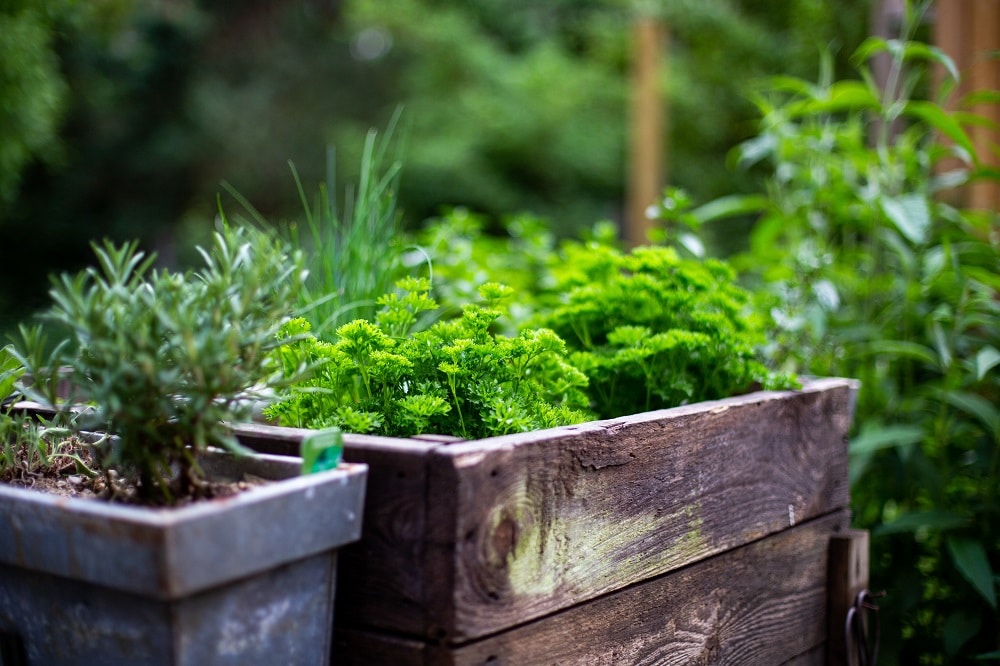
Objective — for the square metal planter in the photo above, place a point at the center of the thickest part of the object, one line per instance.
(239, 580)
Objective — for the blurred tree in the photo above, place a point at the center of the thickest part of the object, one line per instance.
(511, 105)
(32, 90)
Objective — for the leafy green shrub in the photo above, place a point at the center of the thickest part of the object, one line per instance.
(454, 377)
(463, 255)
(653, 330)
(876, 275)
(166, 359)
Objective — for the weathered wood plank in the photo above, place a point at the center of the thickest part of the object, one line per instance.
(763, 603)
(847, 577)
(382, 575)
(357, 647)
(544, 521)
(815, 657)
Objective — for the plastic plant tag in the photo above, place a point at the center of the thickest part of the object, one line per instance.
(322, 450)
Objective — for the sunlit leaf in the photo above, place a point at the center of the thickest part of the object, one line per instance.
(692, 244)
(870, 47)
(841, 96)
(987, 359)
(754, 150)
(827, 295)
(981, 97)
(911, 215)
(941, 343)
(970, 559)
(730, 206)
(791, 84)
(919, 50)
(936, 117)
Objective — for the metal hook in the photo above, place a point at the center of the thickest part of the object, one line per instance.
(861, 630)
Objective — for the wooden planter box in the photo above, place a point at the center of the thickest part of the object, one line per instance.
(700, 534)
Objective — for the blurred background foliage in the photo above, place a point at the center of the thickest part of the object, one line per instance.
(121, 118)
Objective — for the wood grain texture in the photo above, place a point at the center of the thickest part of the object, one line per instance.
(382, 575)
(462, 540)
(544, 521)
(815, 657)
(466, 539)
(763, 603)
(357, 647)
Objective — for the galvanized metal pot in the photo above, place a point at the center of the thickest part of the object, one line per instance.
(248, 579)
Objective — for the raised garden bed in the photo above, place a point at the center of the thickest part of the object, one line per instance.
(699, 534)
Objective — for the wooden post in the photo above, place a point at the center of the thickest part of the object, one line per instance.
(984, 74)
(968, 31)
(646, 131)
(847, 576)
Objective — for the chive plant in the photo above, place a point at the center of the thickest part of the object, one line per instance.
(355, 252)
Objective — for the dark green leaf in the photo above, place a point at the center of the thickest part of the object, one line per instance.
(902, 348)
(885, 437)
(932, 520)
(976, 406)
(970, 559)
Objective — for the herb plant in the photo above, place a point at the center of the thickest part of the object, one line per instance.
(878, 274)
(464, 256)
(29, 446)
(166, 359)
(354, 252)
(453, 377)
(652, 330)
(32, 448)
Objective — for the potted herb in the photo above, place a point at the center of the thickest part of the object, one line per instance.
(698, 505)
(179, 564)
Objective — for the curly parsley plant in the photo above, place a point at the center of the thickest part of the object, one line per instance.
(454, 377)
(653, 330)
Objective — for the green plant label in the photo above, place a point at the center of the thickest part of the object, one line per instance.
(322, 450)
